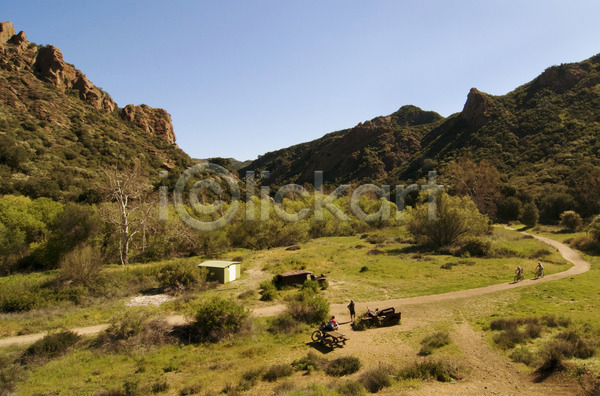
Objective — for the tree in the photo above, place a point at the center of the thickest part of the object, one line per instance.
(584, 183)
(509, 209)
(530, 215)
(479, 181)
(128, 210)
(570, 220)
(455, 218)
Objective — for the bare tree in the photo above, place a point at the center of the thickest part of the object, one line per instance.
(129, 208)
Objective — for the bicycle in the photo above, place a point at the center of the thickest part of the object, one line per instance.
(539, 273)
(518, 277)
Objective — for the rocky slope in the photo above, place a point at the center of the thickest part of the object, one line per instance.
(58, 131)
(539, 133)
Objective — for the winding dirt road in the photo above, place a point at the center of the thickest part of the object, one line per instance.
(580, 265)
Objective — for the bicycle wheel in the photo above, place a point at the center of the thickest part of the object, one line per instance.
(316, 336)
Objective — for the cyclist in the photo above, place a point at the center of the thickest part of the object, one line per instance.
(519, 273)
(540, 270)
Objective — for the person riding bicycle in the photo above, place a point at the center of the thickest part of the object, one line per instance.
(519, 272)
(540, 269)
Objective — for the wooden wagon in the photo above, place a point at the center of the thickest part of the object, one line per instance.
(384, 317)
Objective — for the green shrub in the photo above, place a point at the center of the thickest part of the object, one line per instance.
(268, 292)
(530, 215)
(249, 379)
(284, 324)
(344, 365)
(581, 348)
(277, 371)
(351, 388)
(80, 266)
(522, 355)
(308, 308)
(476, 247)
(433, 341)
(553, 321)
(51, 346)
(160, 386)
(135, 329)
(248, 294)
(439, 371)
(508, 338)
(570, 220)
(178, 277)
(311, 362)
(553, 354)
(310, 286)
(377, 378)
(218, 318)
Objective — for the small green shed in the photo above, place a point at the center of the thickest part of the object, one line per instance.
(222, 271)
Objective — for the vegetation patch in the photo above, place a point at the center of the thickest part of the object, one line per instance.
(278, 371)
(309, 363)
(434, 341)
(217, 319)
(51, 346)
(437, 370)
(345, 365)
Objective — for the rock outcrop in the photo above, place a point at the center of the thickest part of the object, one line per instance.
(152, 120)
(7, 30)
(47, 64)
(478, 108)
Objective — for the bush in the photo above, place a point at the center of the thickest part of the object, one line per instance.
(377, 378)
(308, 308)
(553, 354)
(570, 220)
(178, 277)
(530, 215)
(277, 371)
(456, 218)
(433, 341)
(476, 247)
(268, 292)
(351, 388)
(345, 365)
(364, 268)
(134, 329)
(522, 355)
(309, 363)
(581, 348)
(508, 338)
(439, 371)
(553, 321)
(285, 324)
(51, 346)
(217, 319)
(249, 379)
(80, 266)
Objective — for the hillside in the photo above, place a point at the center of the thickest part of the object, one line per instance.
(368, 151)
(58, 131)
(537, 133)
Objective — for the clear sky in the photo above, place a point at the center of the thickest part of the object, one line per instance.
(241, 78)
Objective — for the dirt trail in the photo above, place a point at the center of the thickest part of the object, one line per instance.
(580, 265)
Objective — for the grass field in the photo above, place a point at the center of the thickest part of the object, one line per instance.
(398, 269)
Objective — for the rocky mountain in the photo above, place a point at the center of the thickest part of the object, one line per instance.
(369, 151)
(58, 131)
(539, 133)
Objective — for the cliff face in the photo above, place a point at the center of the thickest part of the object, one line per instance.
(59, 132)
(46, 63)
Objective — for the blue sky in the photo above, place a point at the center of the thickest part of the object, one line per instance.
(241, 78)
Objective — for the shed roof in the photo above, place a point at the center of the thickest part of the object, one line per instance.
(292, 273)
(217, 264)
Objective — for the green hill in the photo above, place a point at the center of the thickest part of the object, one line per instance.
(59, 132)
(537, 134)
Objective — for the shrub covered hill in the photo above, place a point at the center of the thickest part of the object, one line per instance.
(59, 132)
(537, 134)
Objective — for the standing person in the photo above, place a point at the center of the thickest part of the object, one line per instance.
(351, 309)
